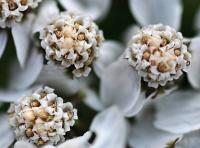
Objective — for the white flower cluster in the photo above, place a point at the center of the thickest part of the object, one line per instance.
(72, 41)
(13, 10)
(42, 118)
(159, 54)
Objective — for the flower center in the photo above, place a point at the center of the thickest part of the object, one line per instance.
(71, 41)
(42, 117)
(159, 54)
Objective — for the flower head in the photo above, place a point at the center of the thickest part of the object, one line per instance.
(13, 10)
(159, 54)
(71, 41)
(42, 117)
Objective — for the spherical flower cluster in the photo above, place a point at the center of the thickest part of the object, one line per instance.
(42, 118)
(72, 41)
(13, 10)
(159, 54)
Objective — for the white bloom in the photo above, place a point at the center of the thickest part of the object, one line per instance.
(12, 11)
(159, 54)
(108, 51)
(42, 117)
(109, 130)
(71, 41)
(121, 84)
(12, 14)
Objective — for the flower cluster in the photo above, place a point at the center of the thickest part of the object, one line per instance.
(12, 11)
(42, 117)
(152, 79)
(72, 41)
(159, 54)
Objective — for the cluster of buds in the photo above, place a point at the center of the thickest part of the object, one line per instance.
(13, 10)
(72, 41)
(42, 118)
(159, 54)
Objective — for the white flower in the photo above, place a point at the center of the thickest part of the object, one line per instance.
(108, 51)
(121, 84)
(108, 129)
(71, 41)
(42, 117)
(159, 54)
(12, 12)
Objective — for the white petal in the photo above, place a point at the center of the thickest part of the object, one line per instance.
(22, 38)
(93, 100)
(3, 41)
(110, 128)
(57, 78)
(94, 8)
(179, 112)
(6, 133)
(167, 12)
(108, 53)
(23, 144)
(48, 10)
(130, 32)
(190, 140)
(120, 86)
(193, 73)
(22, 78)
(79, 142)
(11, 95)
(141, 101)
(145, 135)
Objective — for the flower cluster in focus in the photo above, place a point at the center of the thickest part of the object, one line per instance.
(72, 41)
(42, 117)
(159, 54)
